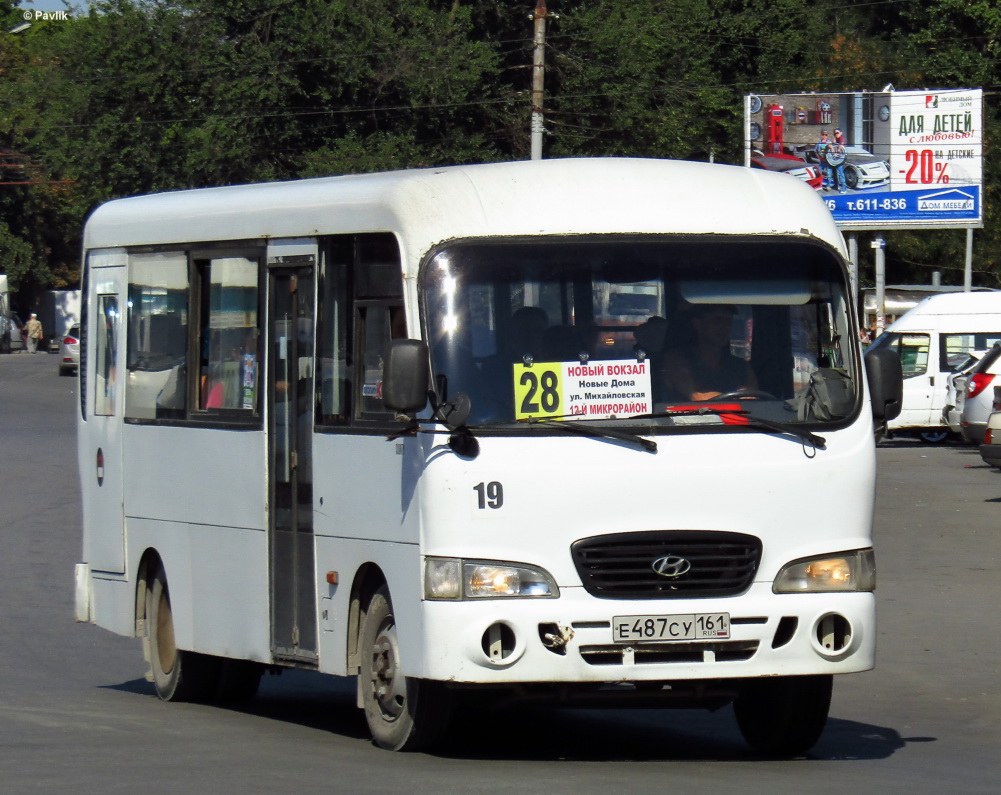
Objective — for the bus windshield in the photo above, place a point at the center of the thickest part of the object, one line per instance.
(606, 329)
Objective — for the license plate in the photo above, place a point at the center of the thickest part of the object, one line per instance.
(693, 626)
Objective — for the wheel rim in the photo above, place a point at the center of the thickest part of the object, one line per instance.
(388, 683)
(165, 649)
(934, 436)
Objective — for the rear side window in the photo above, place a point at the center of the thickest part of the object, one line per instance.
(954, 348)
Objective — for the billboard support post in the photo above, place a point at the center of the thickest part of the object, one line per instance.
(968, 270)
(879, 243)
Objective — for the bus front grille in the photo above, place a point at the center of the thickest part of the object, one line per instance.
(667, 564)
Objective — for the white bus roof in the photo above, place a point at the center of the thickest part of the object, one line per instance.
(427, 206)
(973, 303)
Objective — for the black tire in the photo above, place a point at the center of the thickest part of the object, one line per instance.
(784, 715)
(177, 675)
(403, 714)
(933, 436)
(851, 177)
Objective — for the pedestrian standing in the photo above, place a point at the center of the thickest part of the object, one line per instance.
(34, 330)
(836, 156)
(820, 149)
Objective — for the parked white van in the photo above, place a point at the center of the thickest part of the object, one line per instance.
(933, 340)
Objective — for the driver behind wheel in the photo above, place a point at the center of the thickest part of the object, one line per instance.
(698, 364)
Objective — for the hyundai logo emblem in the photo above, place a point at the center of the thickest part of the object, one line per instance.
(671, 566)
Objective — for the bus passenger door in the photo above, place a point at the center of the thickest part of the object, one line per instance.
(293, 588)
(102, 371)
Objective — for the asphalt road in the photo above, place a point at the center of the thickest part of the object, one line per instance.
(77, 716)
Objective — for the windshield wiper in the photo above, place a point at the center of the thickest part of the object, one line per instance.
(594, 431)
(746, 420)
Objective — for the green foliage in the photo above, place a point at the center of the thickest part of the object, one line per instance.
(149, 95)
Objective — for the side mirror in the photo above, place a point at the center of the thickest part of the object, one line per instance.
(886, 383)
(405, 376)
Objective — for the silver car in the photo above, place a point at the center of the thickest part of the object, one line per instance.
(863, 169)
(69, 351)
(14, 333)
(955, 391)
(990, 450)
(980, 395)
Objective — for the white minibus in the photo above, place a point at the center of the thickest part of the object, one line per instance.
(380, 426)
(933, 340)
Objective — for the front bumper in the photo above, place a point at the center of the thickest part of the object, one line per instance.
(991, 453)
(569, 639)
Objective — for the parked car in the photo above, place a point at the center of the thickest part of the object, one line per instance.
(787, 164)
(955, 391)
(990, 450)
(863, 169)
(69, 351)
(980, 395)
(15, 331)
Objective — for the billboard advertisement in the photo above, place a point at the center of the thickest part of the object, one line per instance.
(880, 159)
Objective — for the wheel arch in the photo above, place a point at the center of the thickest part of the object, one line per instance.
(149, 563)
(368, 579)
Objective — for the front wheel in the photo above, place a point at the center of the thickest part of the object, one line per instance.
(933, 437)
(177, 675)
(783, 715)
(403, 714)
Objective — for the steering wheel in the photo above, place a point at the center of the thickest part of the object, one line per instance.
(744, 394)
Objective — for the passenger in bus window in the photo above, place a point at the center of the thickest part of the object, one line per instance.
(528, 326)
(698, 364)
(649, 337)
(561, 344)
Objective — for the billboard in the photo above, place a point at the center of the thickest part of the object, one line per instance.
(890, 159)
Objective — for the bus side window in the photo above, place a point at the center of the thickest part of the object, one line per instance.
(333, 343)
(228, 300)
(374, 322)
(106, 366)
(158, 336)
(361, 309)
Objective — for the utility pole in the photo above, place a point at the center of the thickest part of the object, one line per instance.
(538, 77)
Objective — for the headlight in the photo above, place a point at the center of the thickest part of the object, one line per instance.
(844, 571)
(453, 578)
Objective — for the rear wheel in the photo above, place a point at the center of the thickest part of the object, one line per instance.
(934, 436)
(784, 715)
(403, 714)
(177, 675)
